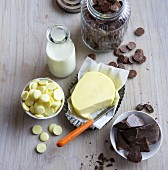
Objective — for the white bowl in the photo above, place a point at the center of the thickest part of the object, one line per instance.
(148, 119)
(56, 113)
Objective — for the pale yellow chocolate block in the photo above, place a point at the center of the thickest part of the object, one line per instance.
(44, 137)
(37, 129)
(36, 94)
(93, 92)
(57, 130)
(25, 95)
(47, 104)
(34, 85)
(39, 110)
(25, 107)
(41, 148)
(39, 116)
(52, 86)
(58, 94)
(32, 109)
(29, 102)
(51, 127)
(45, 98)
(31, 92)
(43, 82)
(42, 89)
(49, 111)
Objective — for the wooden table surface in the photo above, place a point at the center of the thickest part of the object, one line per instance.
(23, 26)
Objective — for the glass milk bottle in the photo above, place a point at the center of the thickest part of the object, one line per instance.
(60, 51)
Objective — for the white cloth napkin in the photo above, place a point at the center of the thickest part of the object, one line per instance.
(119, 78)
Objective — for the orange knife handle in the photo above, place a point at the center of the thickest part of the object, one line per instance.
(74, 133)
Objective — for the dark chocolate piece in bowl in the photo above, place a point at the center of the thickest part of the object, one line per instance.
(130, 122)
(143, 144)
(134, 155)
(150, 131)
(120, 142)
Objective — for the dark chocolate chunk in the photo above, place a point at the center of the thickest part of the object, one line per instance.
(150, 132)
(101, 167)
(92, 56)
(108, 165)
(123, 49)
(120, 65)
(132, 74)
(134, 155)
(105, 7)
(101, 156)
(112, 63)
(139, 31)
(120, 143)
(112, 160)
(96, 167)
(122, 125)
(129, 135)
(100, 162)
(131, 45)
(144, 59)
(149, 108)
(120, 59)
(143, 144)
(139, 107)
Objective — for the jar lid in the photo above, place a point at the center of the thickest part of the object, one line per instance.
(72, 6)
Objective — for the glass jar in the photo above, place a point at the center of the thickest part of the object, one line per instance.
(60, 51)
(103, 32)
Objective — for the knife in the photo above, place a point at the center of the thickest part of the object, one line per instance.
(72, 135)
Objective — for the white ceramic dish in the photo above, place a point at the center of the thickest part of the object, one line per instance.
(56, 113)
(148, 119)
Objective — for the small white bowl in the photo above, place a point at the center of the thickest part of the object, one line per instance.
(56, 113)
(148, 119)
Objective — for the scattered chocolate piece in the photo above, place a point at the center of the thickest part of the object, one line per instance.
(101, 156)
(126, 60)
(101, 167)
(144, 59)
(120, 65)
(149, 108)
(112, 160)
(81, 164)
(90, 143)
(96, 167)
(123, 49)
(139, 51)
(138, 57)
(106, 141)
(86, 156)
(92, 56)
(120, 143)
(139, 31)
(132, 74)
(131, 61)
(109, 165)
(131, 45)
(134, 155)
(112, 63)
(117, 52)
(100, 162)
(139, 107)
(120, 59)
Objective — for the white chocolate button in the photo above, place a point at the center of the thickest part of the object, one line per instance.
(51, 100)
(57, 130)
(52, 86)
(30, 85)
(34, 85)
(39, 116)
(42, 89)
(56, 104)
(51, 127)
(47, 104)
(32, 109)
(31, 92)
(39, 110)
(36, 95)
(44, 137)
(29, 102)
(43, 82)
(50, 93)
(25, 107)
(25, 95)
(41, 148)
(45, 98)
(58, 94)
(49, 111)
(36, 80)
(37, 129)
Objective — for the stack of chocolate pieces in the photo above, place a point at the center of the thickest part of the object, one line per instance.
(135, 136)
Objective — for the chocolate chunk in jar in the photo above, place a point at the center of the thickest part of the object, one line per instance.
(134, 155)
(105, 7)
